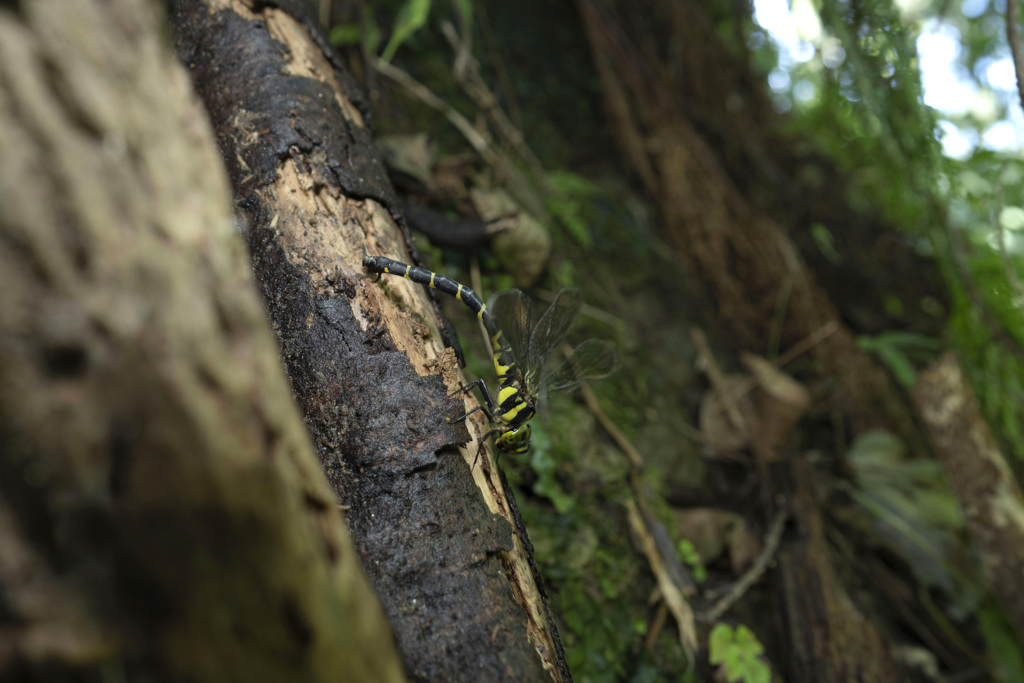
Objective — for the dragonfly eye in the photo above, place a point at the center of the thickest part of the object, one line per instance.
(515, 441)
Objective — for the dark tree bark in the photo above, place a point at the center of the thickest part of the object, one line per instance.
(162, 513)
(365, 359)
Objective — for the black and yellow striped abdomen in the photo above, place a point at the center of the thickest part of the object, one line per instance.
(381, 264)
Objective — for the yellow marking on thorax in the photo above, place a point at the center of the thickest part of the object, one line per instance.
(496, 343)
(505, 393)
(499, 369)
(510, 414)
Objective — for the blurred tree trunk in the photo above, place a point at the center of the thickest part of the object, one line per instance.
(162, 514)
(694, 125)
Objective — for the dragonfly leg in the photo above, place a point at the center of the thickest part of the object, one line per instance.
(480, 445)
(463, 418)
(489, 410)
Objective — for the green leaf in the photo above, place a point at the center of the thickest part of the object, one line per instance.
(759, 672)
(371, 33)
(719, 643)
(1002, 646)
(735, 671)
(893, 348)
(570, 202)
(411, 18)
(748, 642)
(688, 553)
(826, 243)
(345, 34)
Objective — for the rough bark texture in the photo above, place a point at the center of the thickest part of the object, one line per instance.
(979, 477)
(162, 513)
(365, 358)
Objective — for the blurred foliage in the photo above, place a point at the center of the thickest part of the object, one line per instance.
(738, 654)
(691, 558)
(1004, 649)
(858, 100)
(912, 513)
(898, 349)
(987, 327)
(570, 200)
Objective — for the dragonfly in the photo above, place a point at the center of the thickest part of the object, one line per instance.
(521, 351)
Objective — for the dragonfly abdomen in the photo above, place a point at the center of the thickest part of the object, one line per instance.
(502, 354)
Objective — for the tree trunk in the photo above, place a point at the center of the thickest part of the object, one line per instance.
(365, 359)
(162, 514)
(980, 478)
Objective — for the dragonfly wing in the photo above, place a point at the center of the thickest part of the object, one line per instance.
(592, 360)
(512, 310)
(551, 329)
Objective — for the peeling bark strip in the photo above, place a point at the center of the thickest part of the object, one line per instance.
(364, 370)
(979, 477)
(162, 513)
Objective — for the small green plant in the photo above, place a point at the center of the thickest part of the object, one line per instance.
(737, 653)
(411, 18)
(898, 349)
(570, 202)
(691, 558)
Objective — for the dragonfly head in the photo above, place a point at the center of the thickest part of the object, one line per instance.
(515, 441)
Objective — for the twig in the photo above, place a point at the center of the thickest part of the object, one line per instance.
(779, 317)
(657, 624)
(469, 78)
(807, 343)
(624, 444)
(521, 187)
(423, 94)
(594, 312)
(743, 584)
(726, 395)
(673, 596)
(514, 112)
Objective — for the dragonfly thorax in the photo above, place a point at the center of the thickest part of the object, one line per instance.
(515, 407)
